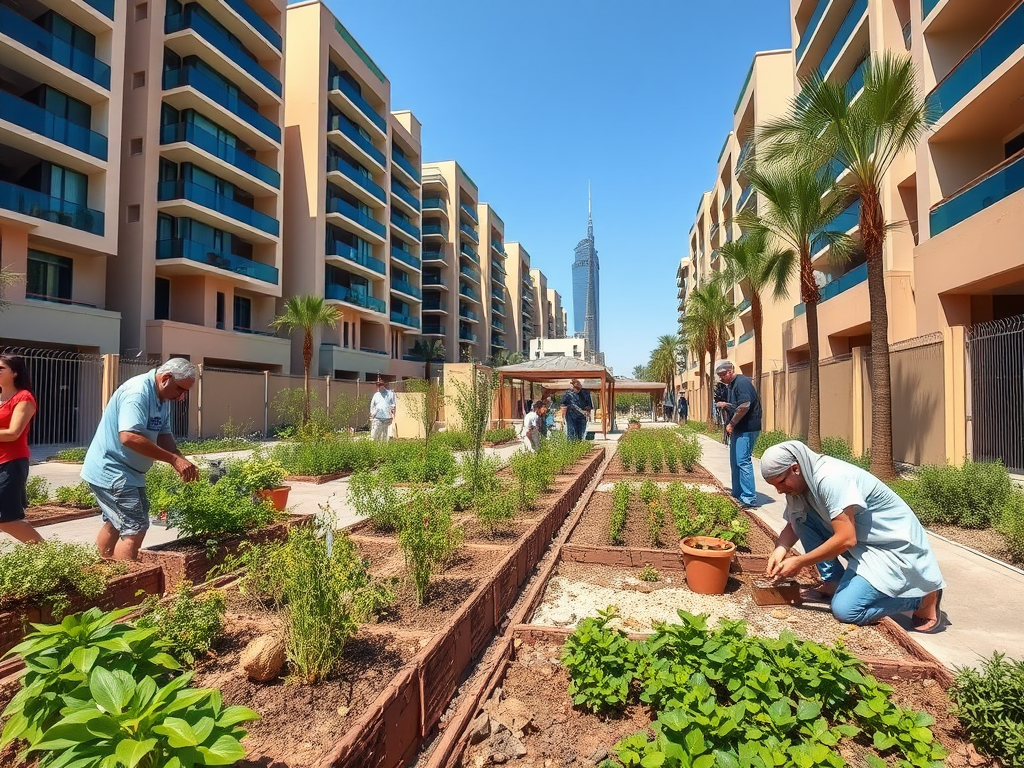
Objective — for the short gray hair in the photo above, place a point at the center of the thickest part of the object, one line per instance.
(724, 365)
(179, 368)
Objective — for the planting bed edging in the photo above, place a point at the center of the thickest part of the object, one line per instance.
(316, 479)
(64, 514)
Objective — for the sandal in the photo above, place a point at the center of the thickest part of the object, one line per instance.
(815, 595)
(930, 626)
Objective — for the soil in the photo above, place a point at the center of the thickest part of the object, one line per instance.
(445, 595)
(49, 514)
(593, 527)
(988, 541)
(698, 475)
(386, 558)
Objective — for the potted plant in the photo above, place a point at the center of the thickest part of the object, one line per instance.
(634, 422)
(707, 560)
(262, 476)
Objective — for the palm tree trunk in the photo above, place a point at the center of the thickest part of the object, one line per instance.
(755, 312)
(814, 408)
(711, 389)
(872, 232)
(307, 361)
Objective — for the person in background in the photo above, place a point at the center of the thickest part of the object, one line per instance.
(545, 405)
(577, 406)
(135, 431)
(668, 405)
(17, 407)
(549, 415)
(382, 411)
(530, 433)
(838, 510)
(720, 396)
(684, 407)
(742, 412)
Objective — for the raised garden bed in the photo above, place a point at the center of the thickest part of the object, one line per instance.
(616, 471)
(51, 514)
(316, 479)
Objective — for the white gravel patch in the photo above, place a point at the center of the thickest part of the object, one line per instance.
(606, 487)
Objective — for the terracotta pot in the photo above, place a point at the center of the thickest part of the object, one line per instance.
(633, 425)
(278, 496)
(707, 570)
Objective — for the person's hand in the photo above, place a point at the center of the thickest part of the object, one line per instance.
(788, 568)
(186, 469)
(728, 429)
(775, 562)
(722, 404)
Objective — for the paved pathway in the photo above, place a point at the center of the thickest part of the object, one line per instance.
(984, 601)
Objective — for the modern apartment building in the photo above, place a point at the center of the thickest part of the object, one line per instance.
(520, 295)
(353, 224)
(541, 308)
(493, 290)
(556, 315)
(60, 140)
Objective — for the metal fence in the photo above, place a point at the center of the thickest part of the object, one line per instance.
(128, 367)
(995, 353)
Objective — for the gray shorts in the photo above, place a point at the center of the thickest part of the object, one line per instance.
(127, 508)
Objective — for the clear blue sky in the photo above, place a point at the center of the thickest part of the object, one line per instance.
(534, 98)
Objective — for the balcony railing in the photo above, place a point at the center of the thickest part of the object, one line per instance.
(730, 343)
(496, 267)
(201, 253)
(106, 7)
(435, 203)
(472, 274)
(338, 83)
(229, 153)
(469, 293)
(467, 336)
(405, 194)
(341, 124)
(398, 317)
(405, 225)
(980, 63)
(434, 280)
(927, 6)
(51, 126)
(746, 336)
(470, 212)
(499, 247)
(855, 276)
(403, 162)
(339, 164)
(468, 252)
(349, 211)
(433, 229)
(744, 153)
(256, 21)
(41, 206)
(468, 231)
(469, 314)
(405, 257)
(856, 82)
(812, 25)
(497, 309)
(220, 94)
(430, 329)
(844, 222)
(33, 36)
(347, 252)
(181, 189)
(496, 342)
(434, 305)
(714, 255)
(337, 292)
(178, 22)
(433, 255)
(743, 305)
(849, 24)
(499, 292)
(744, 196)
(984, 191)
(407, 288)
(497, 324)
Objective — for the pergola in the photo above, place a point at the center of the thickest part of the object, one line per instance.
(555, 371)
(656, 389)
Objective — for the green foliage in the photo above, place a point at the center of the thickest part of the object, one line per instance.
(327, 455)
(374, 496)
(631, 402)
(79, 496)
(766, 440)
(212, 511)
(621, 492)
(37, 490)
(502, 435)
(990, 704)
(51, 571)
(473, 402)
(494, 507)
(602, 663)
(838, 448)
(346, 411)
(648, 573)
(533, 473)
(162, 484)
(74, 455)
(453, 440)
(1011, 525)
(259, 472)
(970, 496)
(697, 513)
(428, 537)
(188, 622)
(649, 491)
(213, 445)
(689, 428)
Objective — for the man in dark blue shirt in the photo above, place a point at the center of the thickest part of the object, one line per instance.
(577, 407)
(743, 411)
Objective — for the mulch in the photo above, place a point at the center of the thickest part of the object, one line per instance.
(986, 541)
(51, 514)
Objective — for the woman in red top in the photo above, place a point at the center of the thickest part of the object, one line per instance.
(17, 407)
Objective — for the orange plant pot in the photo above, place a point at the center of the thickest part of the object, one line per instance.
(277, 496)
(707, 570)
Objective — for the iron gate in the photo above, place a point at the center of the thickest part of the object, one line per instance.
(134, 366)
(995, 353)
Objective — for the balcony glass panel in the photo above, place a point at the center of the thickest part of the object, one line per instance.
(433, 280)
(433, 255)
(181, 189)
(339, 164)
(181, 248)
(359, 299)
(106, 7)
(60, 129)
(980, 63)
(927, 6)
(220, 94)
(407, 288)
(986, 191)
(398, 317)
(497, 324)
(855, 276)
(844, 222)
(41, 206)
(470, 211)
(432, 329)
(338, 83)
(256, 21)
(405, 225)
(812, 24)
(743, 305)
(433, 304)
(496, 267)
(466, 251)
(178, 22)
(746, 336)
(346, 251)
(469, 293)
(33, 36)
(341, 124)
(468, 231)
(856, 81)
(744, 151)
(744, 196)
(405, 194)
(229, 153)
(472, 274)
(337, 205)
(403, 162)
(842, 36)
(405, 257)
(467, 336)
(469, 314)
(435, 202)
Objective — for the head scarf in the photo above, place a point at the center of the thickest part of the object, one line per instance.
(813, 466)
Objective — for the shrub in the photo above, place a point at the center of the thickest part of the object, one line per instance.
(212, 511)
(649, 491)
(971, 496)
(428, 537)
(374, 496)
(37, 490)
(73, 455)
(502, 435)
(990, 704)
(838, 448)
(188, 622)
(620, 508)
(51, 571)
(648, 573)
(696, 513)
(326, 456)
(766, 440)
(655, 518)
(162, 485)
(453, 440)
(79, 496)
(258, 472)
(1011, 525)
(689, 453)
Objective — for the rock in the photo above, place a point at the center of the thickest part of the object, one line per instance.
(480, 728)
(343, 711)
(779, 613)
(974, 758)
(263, 658)
(599, 755)
(506, 744)
(563, 618)
(498, 758)
(546, 671)
(928, 682)
(514, 715)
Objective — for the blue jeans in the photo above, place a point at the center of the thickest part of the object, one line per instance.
(855, 600)
(741, 446)
(575, 427)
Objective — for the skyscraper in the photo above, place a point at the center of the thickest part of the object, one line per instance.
(586, 287)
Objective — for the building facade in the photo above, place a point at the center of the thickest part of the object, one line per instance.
(586, 287)
(493, 291)
(520, 295)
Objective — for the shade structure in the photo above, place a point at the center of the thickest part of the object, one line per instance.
(656, 390)
(559, 371)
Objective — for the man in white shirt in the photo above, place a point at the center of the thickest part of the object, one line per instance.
(382, 411)
(530, 432)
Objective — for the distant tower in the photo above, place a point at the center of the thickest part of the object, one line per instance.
(586, 287)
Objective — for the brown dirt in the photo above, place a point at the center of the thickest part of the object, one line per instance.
(444, 597)
(593, 527)
(617, 471)
(386, 558)
(987, 541)
(49, 514)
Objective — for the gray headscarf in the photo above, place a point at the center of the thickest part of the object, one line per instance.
(813, 466)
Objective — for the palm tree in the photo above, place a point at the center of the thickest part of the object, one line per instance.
(665, 359)
(764, 269)
(307, 313)
(863, 137)
(504, 357)
(708, 315)
(430, 350)
(640, 372)
(799, 202)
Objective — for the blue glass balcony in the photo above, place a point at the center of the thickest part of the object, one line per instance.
(743, 305)
(498, 247)
(337, 205)
(179, 22)
(182, 189)
(746, 336)
(468, 232)
(469, 314)
(435, 203)
(714, 255)
(181, 248)
(433, 255)
(466, 251)
(405, 194)
(927, 6)
(338, 83)
(744, 153)
(434, 280)
(497, 309)
(407, 288)
(983, 192)
(337, 292)
(980, 63)
(229, 153)
(844, 222)
(427, 304)
(731, 343)
(433, 329)
(405, 257)
(856, 82)
(855, 276)
(33, 36)
(467, 336)
(41, 206)
(106, 7)
(405, 225)
(497, 342)
(346, 251)
(433, 229)
(341, 124)
(846, 29)
(472, 274)
(812, 24)
(469, 293)
(497, 268)
(220, 94)
(498, 292)
(398, 317)
(497, 325)
(470, 212)
(51, 126)
(346, 169)
(256, 21)
(744, 196)
(403, 162)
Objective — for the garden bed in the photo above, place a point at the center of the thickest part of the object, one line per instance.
(316, 479)
(51, 514)
(988, 541)
(616, 471)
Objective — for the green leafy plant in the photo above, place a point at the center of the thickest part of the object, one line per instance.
(326, 455)
(697, 513)
(621, 493)
(973, 495)
(648, 573)
(207, 511)
(838, 448)
(37, 491)
(79, 496)
(187, 621)
(52, 571)
(990, 704)
(669, 448)
(72, 455)
(374, 496)
(162, 485)
(602, 663)
(502, 435)
(768, 438)
(428, 537)
(1011, 525)
(258, 472)
(472, 402)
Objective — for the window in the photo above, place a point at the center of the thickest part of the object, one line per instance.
(162, 299)
(243, 313)
(49, 276)
(138, 79)
(70, 186)
(1014, 145)
(220, 310)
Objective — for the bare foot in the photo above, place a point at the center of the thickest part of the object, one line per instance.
(928, 616)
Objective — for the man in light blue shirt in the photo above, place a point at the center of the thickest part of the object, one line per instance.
(382, 411)
(135, 431)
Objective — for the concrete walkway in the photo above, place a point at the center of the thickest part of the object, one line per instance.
(983, 600)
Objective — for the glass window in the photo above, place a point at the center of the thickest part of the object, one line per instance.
(69, 185)
(243, 312)
(48, 276)
(62, 105)
(220, 310)
(164, 227)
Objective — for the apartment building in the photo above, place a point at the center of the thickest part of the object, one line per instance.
(520, 295)
(493, 290)
(556, 315)
(60, 139)
(560, 347)
(542, 310)
(353, 227)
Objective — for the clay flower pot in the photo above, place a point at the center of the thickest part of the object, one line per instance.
(633, 425)
(707, 562)
(278, 496)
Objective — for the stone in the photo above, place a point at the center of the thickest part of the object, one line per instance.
(928, 682)
(546, 671)
(600, 754)
(506, 744)
(779, 613)
(343, 711)
(263, 658)
(480, 728)
(974, 758)
(514, 715)
(498, 758)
